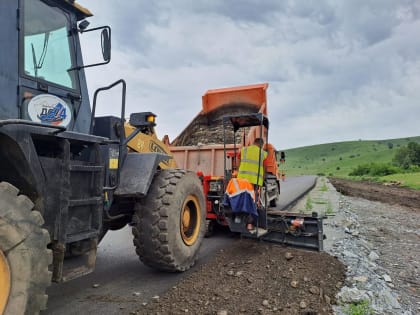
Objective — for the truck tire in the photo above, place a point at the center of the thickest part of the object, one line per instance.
(24, 257)
(209, 228)
(169, 223)
(273, 203)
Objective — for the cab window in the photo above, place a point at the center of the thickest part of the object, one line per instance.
(46, 44)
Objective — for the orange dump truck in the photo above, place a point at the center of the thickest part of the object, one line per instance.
(200, 146)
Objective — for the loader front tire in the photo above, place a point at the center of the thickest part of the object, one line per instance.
(24, 257)
(169, 223)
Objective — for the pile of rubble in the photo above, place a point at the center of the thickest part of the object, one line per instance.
(208, 128)
(367, 279)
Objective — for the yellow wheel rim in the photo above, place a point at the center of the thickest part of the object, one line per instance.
(4, 282)
(190, 220)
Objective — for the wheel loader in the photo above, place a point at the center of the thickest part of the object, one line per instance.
(66, 176)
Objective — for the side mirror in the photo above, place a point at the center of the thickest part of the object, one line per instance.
(282, 155)
(106, 44)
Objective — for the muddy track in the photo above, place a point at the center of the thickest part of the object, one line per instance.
(378, 192)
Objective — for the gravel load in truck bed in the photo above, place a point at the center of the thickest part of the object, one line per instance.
(208, 128)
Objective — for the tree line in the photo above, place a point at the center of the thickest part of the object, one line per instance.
(406, 159)
(408, 156)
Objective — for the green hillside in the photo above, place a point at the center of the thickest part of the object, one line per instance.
(339, 159)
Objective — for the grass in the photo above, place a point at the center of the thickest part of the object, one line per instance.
(339, 159)
(323, 188)
(411, 180)
(329, 210)
(309, 204)
(361, 308)
(319, 201)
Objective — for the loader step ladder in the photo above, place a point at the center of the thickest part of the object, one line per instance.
(81, 212)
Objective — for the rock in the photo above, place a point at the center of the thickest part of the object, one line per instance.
(314, 290)
(222, 312)
(351, 295)
(230, 273)
(144, 303)
(305, 279)
(156, 297)
(136, 293)
(355, 233)
(294, 284)
(288, 256)
(347, 223)
(362, 279)
(327, 299)
(265, 303)
(373, 256)
(387, 278)
(249, 280)
(302, 304)
(238, 273)
(95, 285)
(339, 285)
(388, 299)
(349, 254)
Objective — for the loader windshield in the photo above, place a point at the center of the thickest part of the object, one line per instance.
(46, 44)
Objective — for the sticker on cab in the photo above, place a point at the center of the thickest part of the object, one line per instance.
(50, 110)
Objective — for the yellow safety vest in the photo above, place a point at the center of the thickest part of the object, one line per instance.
(248, 168)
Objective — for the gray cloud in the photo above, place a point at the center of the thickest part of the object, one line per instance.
(338, 70)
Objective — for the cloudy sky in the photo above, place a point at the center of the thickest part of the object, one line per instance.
(337, 70)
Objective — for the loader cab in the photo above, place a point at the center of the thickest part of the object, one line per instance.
(43, 63)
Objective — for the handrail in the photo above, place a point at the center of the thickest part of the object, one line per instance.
(121, 126)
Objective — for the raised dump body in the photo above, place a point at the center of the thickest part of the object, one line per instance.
(199, 147)
(251, 95)
(207, 126)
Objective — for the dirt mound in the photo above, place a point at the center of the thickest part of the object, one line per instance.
(256, 278)
(208, 128)
(378, 192)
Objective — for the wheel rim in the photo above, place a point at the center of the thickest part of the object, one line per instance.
(4, 282)
(190, 220)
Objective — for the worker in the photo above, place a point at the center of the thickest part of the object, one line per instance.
(240, 197)
(252, 169)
